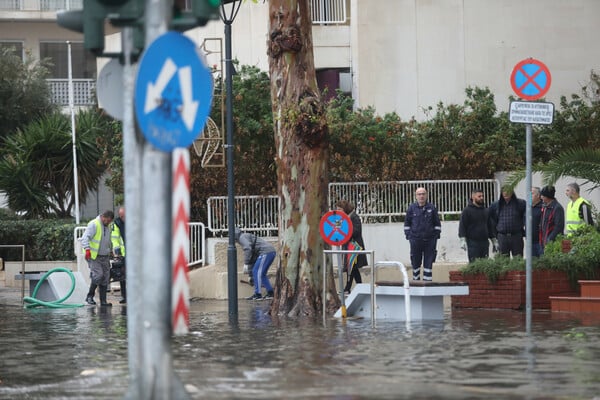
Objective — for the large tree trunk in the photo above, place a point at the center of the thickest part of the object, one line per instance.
(301, 142)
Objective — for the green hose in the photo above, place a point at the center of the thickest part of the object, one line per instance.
(33, 302)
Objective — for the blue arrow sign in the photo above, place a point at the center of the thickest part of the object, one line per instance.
(173, 92)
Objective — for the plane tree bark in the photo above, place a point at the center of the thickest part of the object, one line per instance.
(301, 148)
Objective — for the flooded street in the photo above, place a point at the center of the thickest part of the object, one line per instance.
(82, 354)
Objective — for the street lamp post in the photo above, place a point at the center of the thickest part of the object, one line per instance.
(227, 16)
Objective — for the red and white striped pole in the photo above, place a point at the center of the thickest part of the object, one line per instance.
(180, 300)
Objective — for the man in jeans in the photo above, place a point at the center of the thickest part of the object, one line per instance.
(258, 257)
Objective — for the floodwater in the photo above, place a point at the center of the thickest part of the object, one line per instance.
(471, 354)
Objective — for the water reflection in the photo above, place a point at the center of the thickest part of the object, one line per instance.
(82, 354)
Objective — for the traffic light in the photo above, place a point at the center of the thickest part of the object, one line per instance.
(90, 21)
(201, 12)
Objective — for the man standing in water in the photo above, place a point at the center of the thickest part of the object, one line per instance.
(97, 246)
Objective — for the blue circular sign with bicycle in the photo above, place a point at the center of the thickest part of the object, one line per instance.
(336, 228)
(173, 92)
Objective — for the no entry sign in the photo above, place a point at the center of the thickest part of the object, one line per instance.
(530, 79)
(336, 228)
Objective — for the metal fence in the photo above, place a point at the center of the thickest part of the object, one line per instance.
(197, 256)
(258, 214)
(83, 91)
(388, 201)
(375, 202)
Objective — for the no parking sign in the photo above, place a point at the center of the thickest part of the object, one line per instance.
(336, 228)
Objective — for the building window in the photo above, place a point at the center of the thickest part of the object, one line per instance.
(333, 79)
(84, 63)
(328, 11)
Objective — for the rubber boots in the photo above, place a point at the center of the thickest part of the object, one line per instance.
(90, 296)
(103, 302)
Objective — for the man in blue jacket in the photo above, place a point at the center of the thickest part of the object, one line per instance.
(422, 228)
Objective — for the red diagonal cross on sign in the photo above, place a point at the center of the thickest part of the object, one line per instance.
(530, 79)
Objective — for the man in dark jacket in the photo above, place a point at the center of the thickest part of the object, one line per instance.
(474, 230)
(507, 217)
(422, 228)
(553, 217)
(536, 219)
(352, 262)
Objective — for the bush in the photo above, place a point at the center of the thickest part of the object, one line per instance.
(44, 240)
(583, 261)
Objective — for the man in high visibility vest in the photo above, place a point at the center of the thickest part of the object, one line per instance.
(579, 210)
(97, 247)
(117, 238)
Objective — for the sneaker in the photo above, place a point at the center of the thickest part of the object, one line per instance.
(90, 300)
(106, 304)
(122, 301)
(268, 296)
(255, 296)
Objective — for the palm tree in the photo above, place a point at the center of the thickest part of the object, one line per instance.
(36, 164)
(581, 163)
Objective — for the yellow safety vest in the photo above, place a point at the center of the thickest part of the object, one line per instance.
(95, 241)
(573, 220)
(116, 239)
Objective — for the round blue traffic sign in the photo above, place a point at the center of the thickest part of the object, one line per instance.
(173, 92)
(336, 228)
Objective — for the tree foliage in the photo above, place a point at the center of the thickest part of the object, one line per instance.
(36, 163)
(24, 91)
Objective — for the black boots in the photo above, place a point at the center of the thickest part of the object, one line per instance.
(90, 296)
(103, 302)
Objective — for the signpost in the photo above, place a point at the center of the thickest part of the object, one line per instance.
(530, 80)
(335, 228)
(173, 92)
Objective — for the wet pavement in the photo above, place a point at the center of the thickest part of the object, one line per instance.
(472, 354)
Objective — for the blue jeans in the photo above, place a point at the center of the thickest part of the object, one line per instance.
(259, 272)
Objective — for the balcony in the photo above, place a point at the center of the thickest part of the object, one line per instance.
(34, 10)
(84, 91)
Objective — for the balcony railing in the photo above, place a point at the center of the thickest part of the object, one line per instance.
(328, 11)
(40, 5)
(83, 91)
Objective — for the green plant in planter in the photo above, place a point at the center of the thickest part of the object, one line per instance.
(583, 261)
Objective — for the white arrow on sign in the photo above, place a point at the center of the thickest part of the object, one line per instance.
(190, 107)
(154, 91)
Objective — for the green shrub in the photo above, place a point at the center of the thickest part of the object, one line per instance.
(583, 261)
(44, 240)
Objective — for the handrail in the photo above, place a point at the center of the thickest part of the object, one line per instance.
(22, 246)
(341, 275)
(406, 287)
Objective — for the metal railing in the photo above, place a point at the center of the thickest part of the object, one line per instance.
(388, 201)
(197, 252)
(83, 91)
(375, 202)
(258, 214)
(40, 5)
(328, 11)
(22, 247)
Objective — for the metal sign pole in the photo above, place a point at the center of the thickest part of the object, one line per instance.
(528, 228)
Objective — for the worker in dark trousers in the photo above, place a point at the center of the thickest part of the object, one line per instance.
(117, 238)
(97, 247)
(422, 228)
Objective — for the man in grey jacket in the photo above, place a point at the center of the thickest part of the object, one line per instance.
(258, 257)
